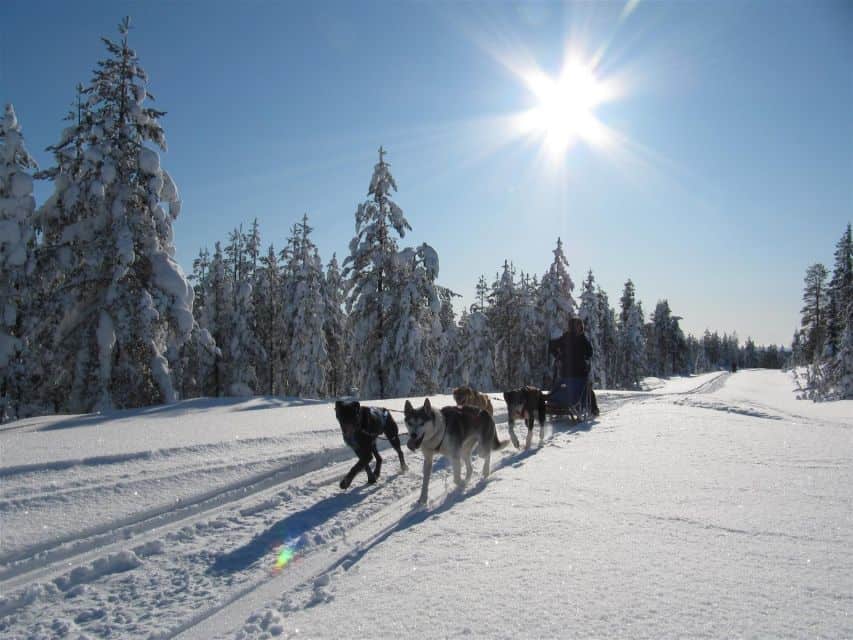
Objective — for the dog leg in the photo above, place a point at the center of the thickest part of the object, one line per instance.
(512, 435)
(529, 438)
(395, 442)
(371, 476)
(541, 433)
(378, 466)
(487, 457)
(347, 481)
(469, 468)
(427, 472)
(457, 468)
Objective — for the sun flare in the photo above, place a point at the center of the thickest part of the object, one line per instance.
(565, 112)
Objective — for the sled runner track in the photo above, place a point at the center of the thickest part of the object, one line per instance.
(712, 385)
(301, 576)
(26, 561)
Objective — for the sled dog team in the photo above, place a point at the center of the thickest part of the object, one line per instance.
(452, 431)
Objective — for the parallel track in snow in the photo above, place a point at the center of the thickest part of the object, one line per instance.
(241, 522)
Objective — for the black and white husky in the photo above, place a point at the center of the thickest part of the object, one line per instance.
(452, 432)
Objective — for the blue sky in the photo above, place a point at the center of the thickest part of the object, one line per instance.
(733, 173)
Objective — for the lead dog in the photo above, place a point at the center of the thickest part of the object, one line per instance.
(526, 403)
(466, 396)
(452, 432)
(360, 427)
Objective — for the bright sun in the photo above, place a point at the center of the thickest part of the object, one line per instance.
(566, 109)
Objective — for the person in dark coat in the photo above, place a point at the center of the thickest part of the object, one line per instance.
(574, 352)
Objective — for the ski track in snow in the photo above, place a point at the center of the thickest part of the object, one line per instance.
(175, 566)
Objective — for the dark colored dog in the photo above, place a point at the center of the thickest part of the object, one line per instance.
(525, 404)
(360, 427)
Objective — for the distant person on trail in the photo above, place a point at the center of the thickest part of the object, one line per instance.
(574, 352)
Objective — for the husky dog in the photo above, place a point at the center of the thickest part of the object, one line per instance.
(525, 404)
(360, 427)
(466, 396)
(452, 432)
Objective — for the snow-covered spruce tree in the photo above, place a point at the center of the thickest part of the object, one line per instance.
(18, 305)
(129, 305)
(589, 313)
(814, 311)
(65, 358)
(830, 374)
(448, 348)
(370, 275)
(558, 304)
(335, 329)
(481, 295)
(632, 347)
(840, 290)
(244, 348)
(505, 325)
(608, 338)
(268, 310)
(662, 343)
(218, 319)
(476, 352)
(308, 361)
(533, 343)
(199, 353)
(414, 325)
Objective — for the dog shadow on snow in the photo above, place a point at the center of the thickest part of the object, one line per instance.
(421, 513)
(290, 531)
(293, 529)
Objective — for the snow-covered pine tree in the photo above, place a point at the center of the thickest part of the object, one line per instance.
(589, 313)
(414, 340)
(532, 339)
(448, 348)
(268, 311)
(18, 305)
(481, 295)
(662, 342)
(505, 326)
(632, 345)
(558, 304)
(65, 358)
(244, 348)
(335, 328)
(814, 311)
(840, 291)
(308, 361)
(199, 353)
(841, 322)
(130, 305)
(370, 275)
(217, 319)
(476, 352)
(608, 338)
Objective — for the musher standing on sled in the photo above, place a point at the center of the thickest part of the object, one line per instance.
(574, 352)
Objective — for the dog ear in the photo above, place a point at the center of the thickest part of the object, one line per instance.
(407, 408)
(427, 405)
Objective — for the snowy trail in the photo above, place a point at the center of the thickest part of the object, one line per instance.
(205, 566)
(160, 541)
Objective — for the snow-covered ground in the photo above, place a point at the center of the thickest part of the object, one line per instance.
(715, 506)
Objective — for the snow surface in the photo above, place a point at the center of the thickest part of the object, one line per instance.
(713, 506)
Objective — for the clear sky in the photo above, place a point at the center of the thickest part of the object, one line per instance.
(726, 167)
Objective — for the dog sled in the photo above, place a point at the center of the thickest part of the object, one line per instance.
(571, 398)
